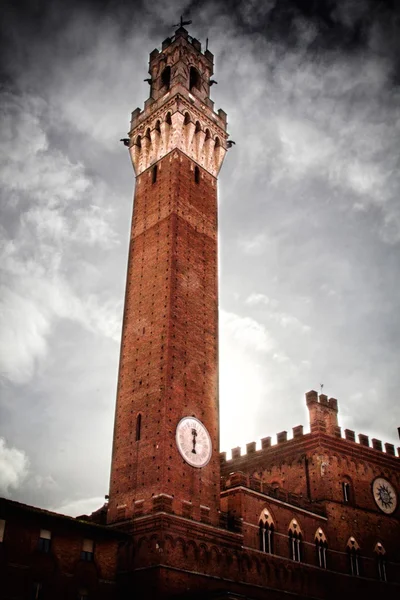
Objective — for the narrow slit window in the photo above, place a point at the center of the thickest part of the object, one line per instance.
(197, 174)
(346, 492)
(321, 554)
(2, 528)
(138, 426)
(382, 568)
(37, 591)
(154, 174)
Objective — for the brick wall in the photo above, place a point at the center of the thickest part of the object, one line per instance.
(169, 350)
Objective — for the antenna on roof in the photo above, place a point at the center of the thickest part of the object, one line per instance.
(206, 43)
(321, 385)
(182, 23)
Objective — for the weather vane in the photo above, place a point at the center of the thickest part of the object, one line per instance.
(182, 23)
(321, 386)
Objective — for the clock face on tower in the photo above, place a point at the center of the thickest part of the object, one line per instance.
(384, 495)
(193, 441)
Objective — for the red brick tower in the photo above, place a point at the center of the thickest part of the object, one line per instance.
(169, 351)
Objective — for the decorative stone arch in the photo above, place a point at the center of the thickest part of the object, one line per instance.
(320, 536)
(168, 118)
(246, 562)
(192, 550)
(169, 542)
(203, 553)
(379, 549)
(294, 527)
(215, 555)
(208, 135)
(180, 545)
(138, 141)
(187, 118)
(157, 126)
(197, 127)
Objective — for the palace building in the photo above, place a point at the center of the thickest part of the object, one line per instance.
(314, 516)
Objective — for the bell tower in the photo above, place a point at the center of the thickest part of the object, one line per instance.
(166, 433)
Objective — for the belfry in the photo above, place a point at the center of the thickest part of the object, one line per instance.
(166, 448)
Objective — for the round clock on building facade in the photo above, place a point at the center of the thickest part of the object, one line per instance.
(193, 441)
(384, 495)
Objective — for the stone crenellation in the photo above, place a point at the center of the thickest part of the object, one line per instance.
(321, 422)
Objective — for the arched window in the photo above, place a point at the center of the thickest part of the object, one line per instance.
(168, 119)
(158, 127)
(266, 532)
(380, 553)
(154, 174)
(138, 142)
(166, 77)
(353, 551)
(198, 127)
(321, 546)
(295, 539)
(138, 427)
(217, 142)
(187, 119)
(148, 136)
(194, 79)
(197, 174)
(208, 134)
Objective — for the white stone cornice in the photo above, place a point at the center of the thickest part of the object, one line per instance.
(179, 125)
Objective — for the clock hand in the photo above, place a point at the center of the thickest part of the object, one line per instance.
(194, 434)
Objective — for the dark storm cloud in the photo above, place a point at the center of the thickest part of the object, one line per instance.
(309, 218)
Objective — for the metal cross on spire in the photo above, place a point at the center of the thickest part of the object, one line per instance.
(182, 23)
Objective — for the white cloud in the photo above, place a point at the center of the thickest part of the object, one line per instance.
(63, 210)
(14, 465)
(246, 331)
(83, 506)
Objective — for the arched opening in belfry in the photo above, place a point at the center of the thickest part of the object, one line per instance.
(148, 135)
(217, 142)
(138, 142)
(187, 119)
(198, 127)
(158, 126)
(194, 79)
(166, 77)
(168, 119)
(208, 134)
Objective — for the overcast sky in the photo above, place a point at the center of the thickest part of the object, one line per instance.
(309, 223)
